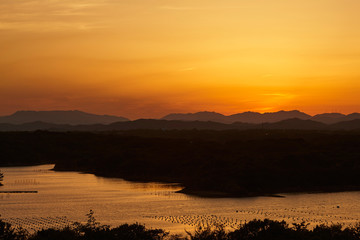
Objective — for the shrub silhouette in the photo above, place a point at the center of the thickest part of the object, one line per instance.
(66, 233)
(93, 230)
(254, 230)
(7, 232)
(261, 230)
(215, 232)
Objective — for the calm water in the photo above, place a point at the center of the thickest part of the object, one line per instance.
(64, 197)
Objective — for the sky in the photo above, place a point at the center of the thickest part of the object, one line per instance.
(148, 58)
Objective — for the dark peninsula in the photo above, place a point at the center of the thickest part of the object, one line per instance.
(209, 163)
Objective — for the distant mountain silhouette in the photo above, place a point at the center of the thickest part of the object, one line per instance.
(331, 118)
(59, 117)
(199, 116)
(81, 121)
(297, 124)
(257, 118)
(271, 117)
(33, 126)
(246, 117)
(82, 118)
(347, 125)
(152, 124)
(121, 126)
(168, 125)
(352, 116)
(328, 118)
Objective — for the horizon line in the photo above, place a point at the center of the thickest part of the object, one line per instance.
(184, 113)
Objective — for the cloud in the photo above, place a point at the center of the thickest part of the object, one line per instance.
(189, 8)
(51, 15)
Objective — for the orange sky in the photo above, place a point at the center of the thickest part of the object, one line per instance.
(147, 58)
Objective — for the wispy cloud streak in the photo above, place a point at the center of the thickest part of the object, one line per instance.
(50, 15)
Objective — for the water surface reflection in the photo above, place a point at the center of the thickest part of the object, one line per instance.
(68, 196)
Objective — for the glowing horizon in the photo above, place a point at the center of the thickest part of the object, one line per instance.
(150, 58)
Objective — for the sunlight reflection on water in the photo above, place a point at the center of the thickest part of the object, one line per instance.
(68, 196)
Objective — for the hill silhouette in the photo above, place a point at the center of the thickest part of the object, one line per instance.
(329, 118)
(348, 125)
(296, 123)
(199, 116)
(257, 118)
(74, 117)
(352, 116)
(245, 117)
(205, 162)
(254, 117)
(153, 124)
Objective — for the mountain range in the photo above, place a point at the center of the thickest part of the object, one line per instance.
(154, 124)
(82, 121)
(257, 118)
(245, 117)
(60, 117)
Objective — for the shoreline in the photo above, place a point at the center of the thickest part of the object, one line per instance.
(207, 164)
(202, 193)
(208, 193)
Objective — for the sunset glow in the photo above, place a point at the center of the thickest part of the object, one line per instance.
(143, 59)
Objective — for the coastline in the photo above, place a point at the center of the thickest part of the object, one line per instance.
(207, 164)
(208, 193)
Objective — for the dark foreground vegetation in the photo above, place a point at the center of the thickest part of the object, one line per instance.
(208, 163)
(253, 230)
(1, 178)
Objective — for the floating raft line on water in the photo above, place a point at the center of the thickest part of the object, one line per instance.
(33, 224)
(18, 191)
